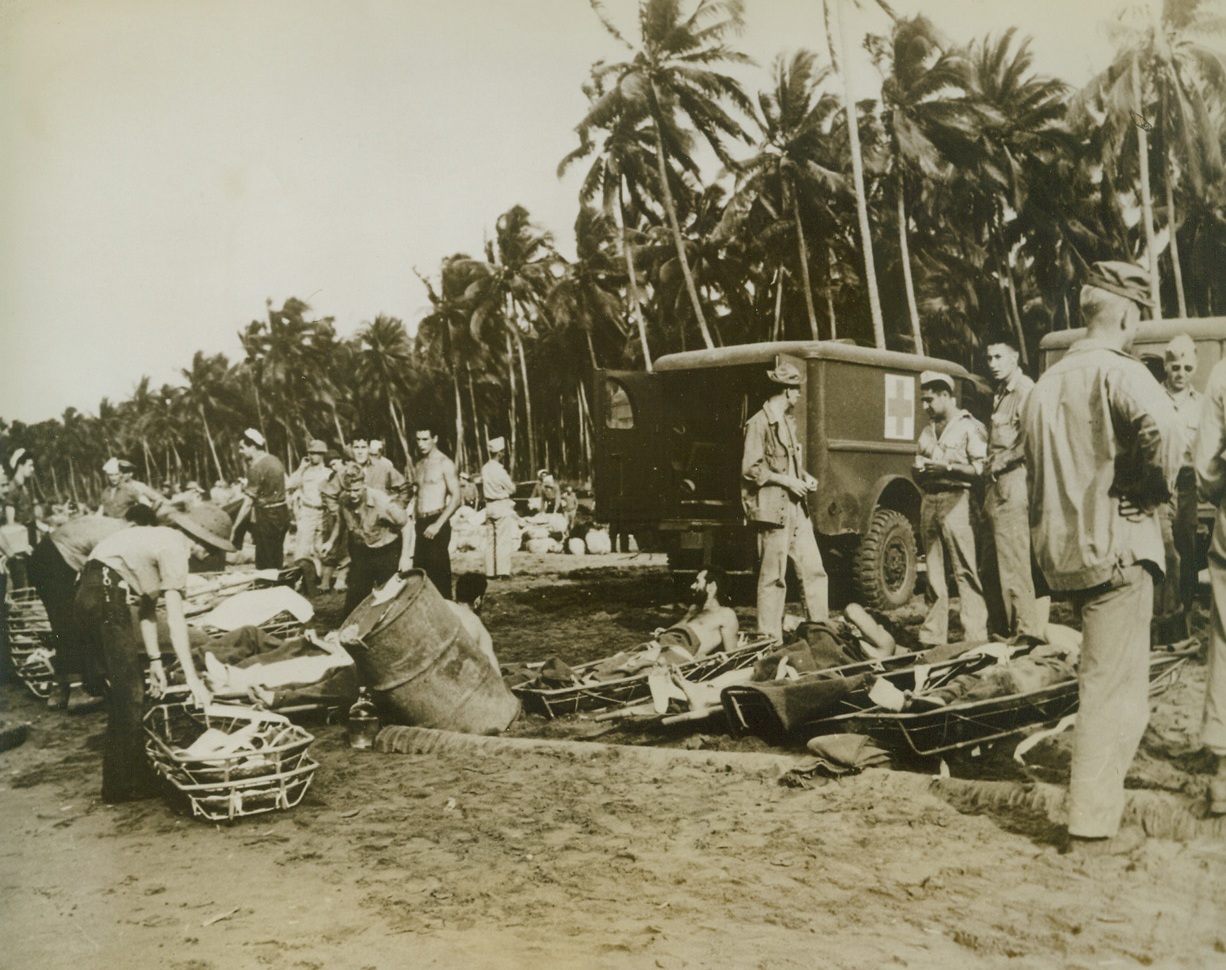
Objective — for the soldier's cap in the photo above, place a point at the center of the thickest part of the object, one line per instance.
(253, 437)
(785, 373)
(111, 467)
(937, 377)
(1181, 347)
(464, 476)
(126, 466)
(317, 447)
(352, 476)
(1123, 279)
(208, 523)
(497, 444)
(376, 445)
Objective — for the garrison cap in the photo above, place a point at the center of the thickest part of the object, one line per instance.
(1123, 279)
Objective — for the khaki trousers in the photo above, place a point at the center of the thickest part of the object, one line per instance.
(793, 540)
(501, 537)
(1007, 506)
(1213, 721)
(1113, 680)
(945, 530)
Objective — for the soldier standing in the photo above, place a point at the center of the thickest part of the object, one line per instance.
(264, 501)
(1178, 517)
(501, 526)
(438, 496)
(949, 458)
(1210, 446)
(1102, 446)
(1008, 580)
(774, 491)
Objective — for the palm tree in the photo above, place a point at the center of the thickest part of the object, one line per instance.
(385, 357)
(928, 119)
(205, 385)
(1021, 121)
(624, 176)
(586, 297)
(836, 37)
(787, 173)
(670, 79)
(507, 295)
(1165, 71)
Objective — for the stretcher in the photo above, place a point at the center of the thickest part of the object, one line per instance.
(599, 695)
(969, 723)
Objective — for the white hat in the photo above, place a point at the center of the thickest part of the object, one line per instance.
(111, 467)
(254, 437)
(498, 444)
(937, 377)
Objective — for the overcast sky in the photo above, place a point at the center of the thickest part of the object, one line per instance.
(168, 165)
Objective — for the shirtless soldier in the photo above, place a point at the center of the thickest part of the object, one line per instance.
(438, 496)
(711, 623)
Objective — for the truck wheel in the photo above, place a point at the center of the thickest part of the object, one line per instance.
(886, 561)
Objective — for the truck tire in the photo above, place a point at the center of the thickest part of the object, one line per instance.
(886, 562)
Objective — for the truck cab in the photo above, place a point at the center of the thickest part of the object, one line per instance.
(669, 443)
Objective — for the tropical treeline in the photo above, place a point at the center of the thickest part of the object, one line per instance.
(971, 195)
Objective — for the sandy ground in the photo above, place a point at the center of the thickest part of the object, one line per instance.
(478, 856)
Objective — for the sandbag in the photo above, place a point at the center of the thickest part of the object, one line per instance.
(598, 542)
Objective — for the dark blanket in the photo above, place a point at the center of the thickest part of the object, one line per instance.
(775, 710)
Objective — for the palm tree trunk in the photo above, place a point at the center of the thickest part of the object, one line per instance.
(632, 281)
(523, 366)
(670, 208)
(208, 434)
(459, 423)
(833, 264)
(1172, 226)
(398, 424)
(336, 420)
(1147, 204)
(778, 303)
(804, 265)
(512, 453)
(72, 480)
(591, 350)
(472, 400)
(857, 169)
(904, 250)
(585, 428)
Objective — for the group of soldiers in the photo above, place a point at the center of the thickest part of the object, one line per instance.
(1089, 480)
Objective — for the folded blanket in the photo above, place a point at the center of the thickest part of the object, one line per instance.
(773, 711)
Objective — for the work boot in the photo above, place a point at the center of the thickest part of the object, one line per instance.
(57, 700)
(1125, 842)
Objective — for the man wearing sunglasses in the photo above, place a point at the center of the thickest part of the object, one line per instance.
(1178, 517)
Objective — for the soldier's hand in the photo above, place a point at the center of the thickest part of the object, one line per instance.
(1131, 511)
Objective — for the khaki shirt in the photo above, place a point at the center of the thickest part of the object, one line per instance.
(1005, 435)
(151, 559)
(771, 445)
(1187, 406)
(1209, 455)
(377, 521)
(496, 482)
(309, 482)
(963, 441)
(1098, 427)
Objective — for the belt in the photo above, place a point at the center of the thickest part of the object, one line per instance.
(941, 489)
(271, 505)
(428, 515)
(998, 475)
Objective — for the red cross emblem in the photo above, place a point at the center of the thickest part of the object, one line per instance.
(899, 407)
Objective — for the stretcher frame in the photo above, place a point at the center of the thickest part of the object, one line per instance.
(553, 702)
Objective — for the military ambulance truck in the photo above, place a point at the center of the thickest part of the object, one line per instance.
(668, 457)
